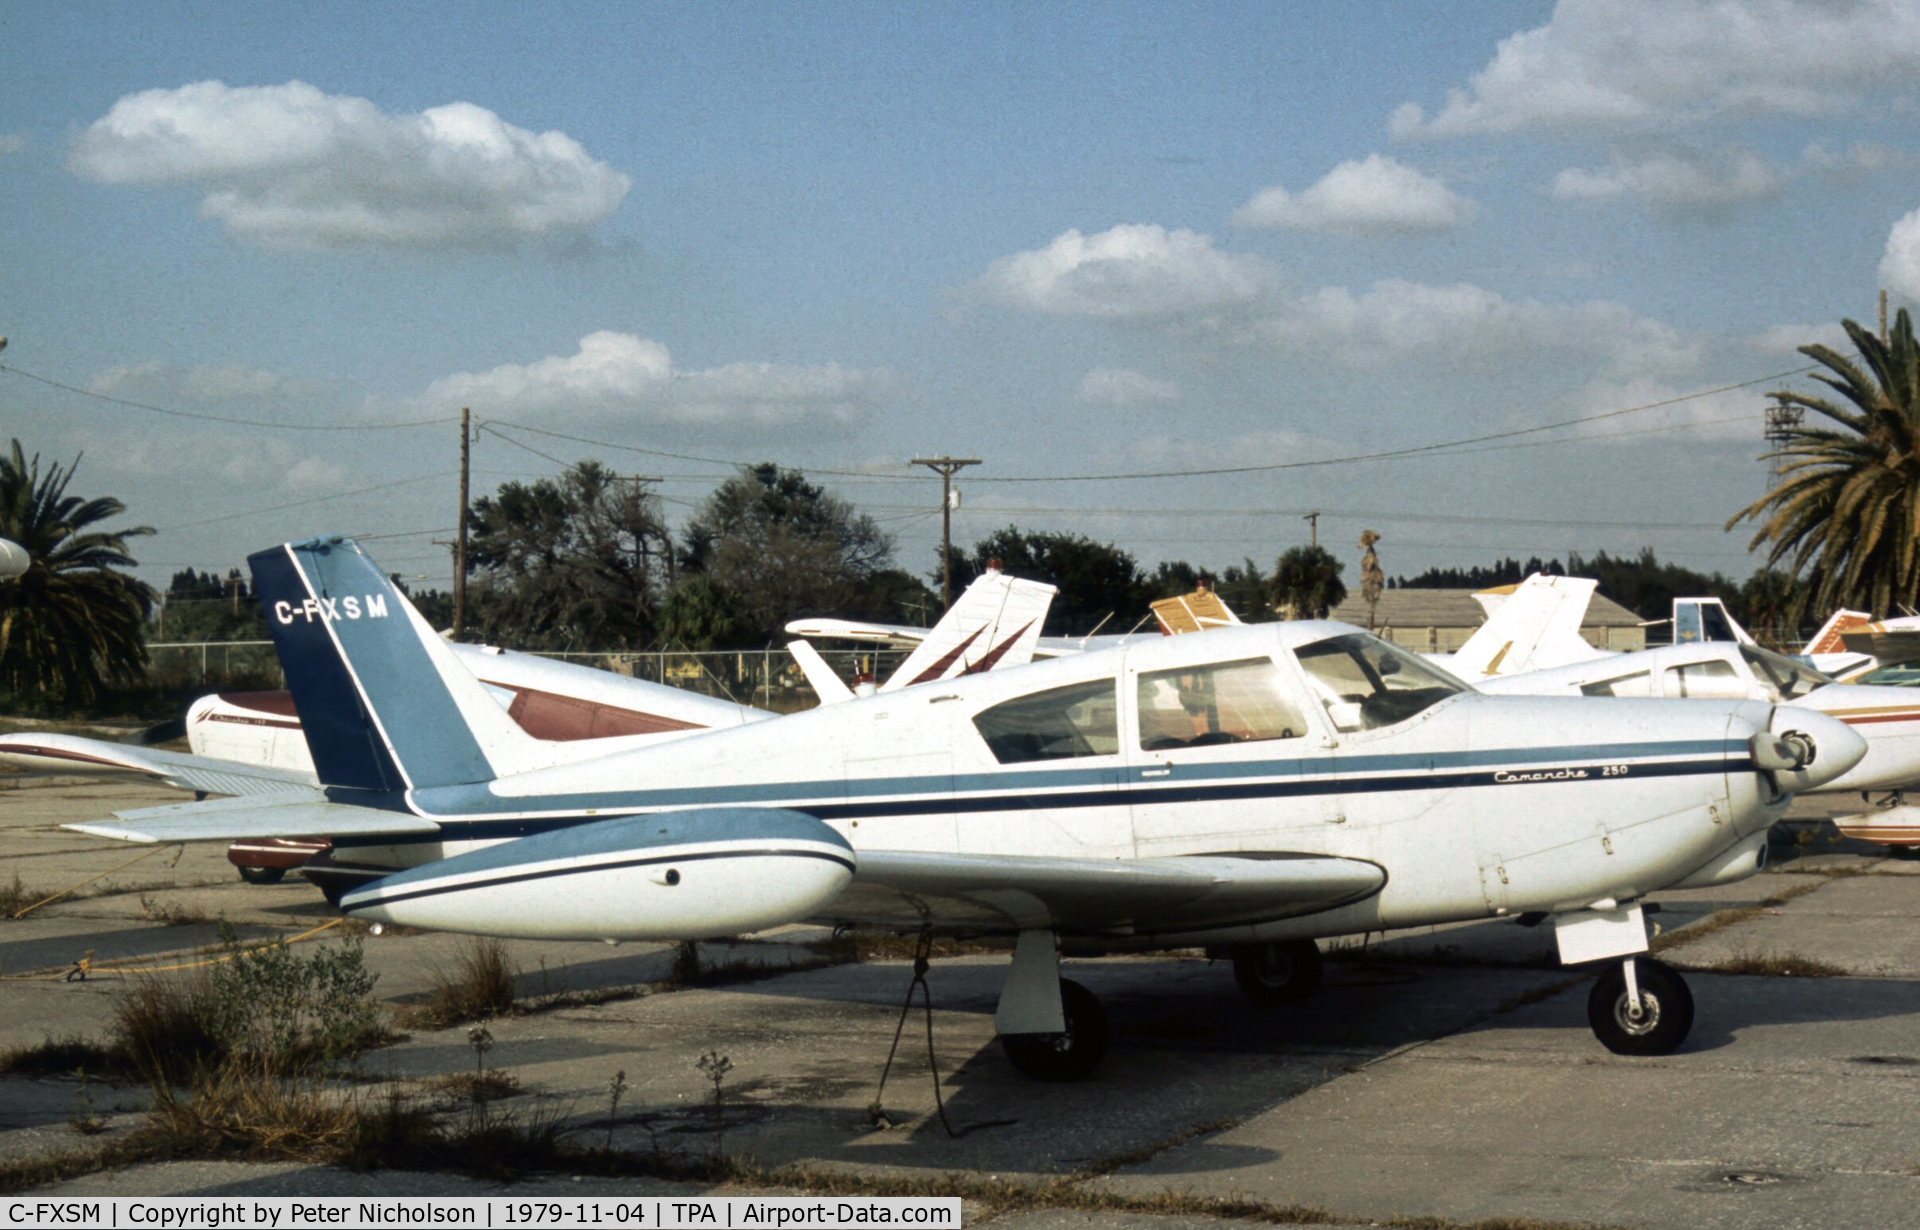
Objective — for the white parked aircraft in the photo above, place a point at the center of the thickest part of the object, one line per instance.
(1247, 790)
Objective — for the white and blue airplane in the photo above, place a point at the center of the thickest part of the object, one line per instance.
(1245, 791)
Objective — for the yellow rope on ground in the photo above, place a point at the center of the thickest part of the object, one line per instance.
(22, 913)
(85, 967)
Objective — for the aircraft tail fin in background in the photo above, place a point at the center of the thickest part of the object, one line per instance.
(384, 702)
(995, 622)
(1705, 619)
(1831, 636)
(1535, 626)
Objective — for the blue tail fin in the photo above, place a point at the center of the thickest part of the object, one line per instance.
(383, 702)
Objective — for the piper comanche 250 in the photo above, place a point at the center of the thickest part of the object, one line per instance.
(1247, 791)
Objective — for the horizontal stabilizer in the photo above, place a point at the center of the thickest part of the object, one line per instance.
(305, 814)
(998, 892)
(75, 754)
(829, 687)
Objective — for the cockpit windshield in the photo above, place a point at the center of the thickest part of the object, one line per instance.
(1366, 683)
(1790, 679)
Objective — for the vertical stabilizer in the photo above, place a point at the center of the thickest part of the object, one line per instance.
(1535, 626)
(384, 703)
(995, 622)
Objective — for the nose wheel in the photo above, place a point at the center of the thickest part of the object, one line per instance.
(1640, 1007)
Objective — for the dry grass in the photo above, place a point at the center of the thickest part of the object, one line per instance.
(1770, 964)
(60, 1056)
(477, 988)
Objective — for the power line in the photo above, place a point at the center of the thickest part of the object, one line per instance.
(1410, 451)
(318, 499)
(220, 418)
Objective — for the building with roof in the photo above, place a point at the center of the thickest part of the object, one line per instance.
(1441, 620)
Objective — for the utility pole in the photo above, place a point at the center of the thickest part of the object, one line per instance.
(1883, 316)
(1313, 525)
(460, 535)
(945, 467)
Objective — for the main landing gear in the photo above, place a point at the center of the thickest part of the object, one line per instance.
(1051, 1029)
(1277, 974)
(1640, 1007)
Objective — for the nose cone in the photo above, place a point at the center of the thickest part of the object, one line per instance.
(1804, 749)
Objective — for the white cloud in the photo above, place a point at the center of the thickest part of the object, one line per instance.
(12, 142)
(1138, 272)
(1785, 341)
(288, 165)
(1180, 282)
(1860, 159)
(1625, 65)
(1120, 386)
(1732, 415)
(1678, 182)
(1466, 326)
(620, 376)
(1377, 196)
(1900, 267)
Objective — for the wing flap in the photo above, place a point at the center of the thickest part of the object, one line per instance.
(298, 814)
(54, 753)
(997, 893)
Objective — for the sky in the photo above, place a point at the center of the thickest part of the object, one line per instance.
(1177, 275)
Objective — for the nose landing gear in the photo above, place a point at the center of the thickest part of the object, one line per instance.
(1640, 1007)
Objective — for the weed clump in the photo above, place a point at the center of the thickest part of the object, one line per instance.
(477, 988)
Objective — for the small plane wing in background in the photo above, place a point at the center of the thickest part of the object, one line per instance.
(299, 814)
(904, 889)
(1194, 612)
(1532, 626)
(1890, 641)
(203, 774)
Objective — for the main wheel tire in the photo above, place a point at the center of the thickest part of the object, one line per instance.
(1284, 973)
(1067, 1056)
(262, 875)
(1666, 1010)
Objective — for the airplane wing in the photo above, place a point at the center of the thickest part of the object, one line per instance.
(905, 890)
(74, 754)
(1889, 643)
(895, 636)
(298, 813)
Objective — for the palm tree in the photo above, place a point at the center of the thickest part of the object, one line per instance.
(1306, 583)
(1845, 517)
(69, 624)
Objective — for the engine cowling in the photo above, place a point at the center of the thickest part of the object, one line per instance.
(667, 876)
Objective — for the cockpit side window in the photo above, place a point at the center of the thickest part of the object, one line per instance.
(1058, 724)
(1225, 702)
(1715, 680)
(1366, 683)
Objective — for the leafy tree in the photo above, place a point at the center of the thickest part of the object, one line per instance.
(1306, 583)
(1767, 600)
(1845, 517)
(570, 562)
(1100, 585)
(70, 624)
(1648, 587)
(776, 547)
(698, 614)
(201, 606)
(1248, 591)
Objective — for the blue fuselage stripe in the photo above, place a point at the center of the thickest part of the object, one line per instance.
(1113, 786)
